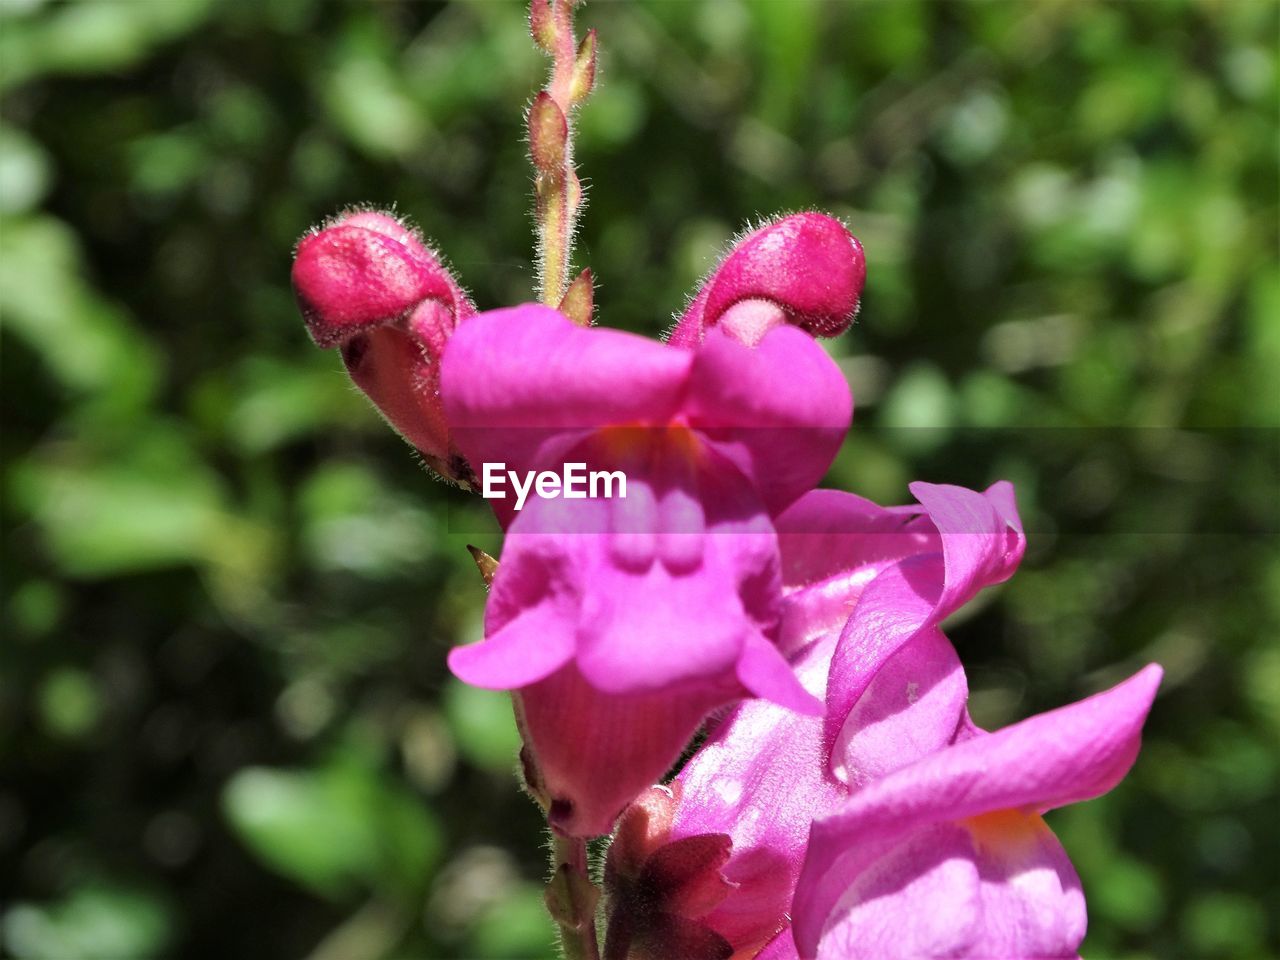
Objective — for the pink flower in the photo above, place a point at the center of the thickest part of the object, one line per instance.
(366, 284)
(949, 857)
(623, 622)
(806, 270)
(766, 773)
(791, 791)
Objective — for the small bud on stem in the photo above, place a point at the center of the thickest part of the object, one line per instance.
(486, 564)
(584, 69)
(542, 26)
(548, 137)
(577, 302)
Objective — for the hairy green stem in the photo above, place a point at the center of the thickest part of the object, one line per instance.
(571, 898)
(557, 191)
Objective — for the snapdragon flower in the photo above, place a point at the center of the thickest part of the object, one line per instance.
(866, 589)
(622, 623)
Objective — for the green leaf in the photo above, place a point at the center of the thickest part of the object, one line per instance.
(482, 724)
(336, 830)
(146, 505)
(92, 923)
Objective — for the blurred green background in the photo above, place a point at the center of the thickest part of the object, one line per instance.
(226, 729)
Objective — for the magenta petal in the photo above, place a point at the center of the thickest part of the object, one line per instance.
(911, 709)
(1063, 756)
(779, 411)
(1032, 903)
(981, 539)
(367, 269)
(646, 631)
(827, 533)
(895, 607)
(368, 285)
(921, 899)
(761, 779)
(515, 379)
(529, 648)
(647, 609)
(832, 545)
(973, 890)
(781, 947)
(596, 752)
(979, 547)
(747, 321)
(767, 674)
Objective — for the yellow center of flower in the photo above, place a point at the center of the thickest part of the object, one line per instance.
(630, 442)
(1005, 830)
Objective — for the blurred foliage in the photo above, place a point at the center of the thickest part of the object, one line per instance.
(226, 729)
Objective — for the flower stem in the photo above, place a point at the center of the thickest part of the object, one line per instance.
(557, 190)
(571, 898)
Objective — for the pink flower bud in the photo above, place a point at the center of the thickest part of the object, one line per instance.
(367, 285)
(805, 269)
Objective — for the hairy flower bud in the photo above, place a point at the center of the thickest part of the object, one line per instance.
(366, 284)
(548, 136)
(584, 69)
(542, 25)
(805, 269)
(578, 300)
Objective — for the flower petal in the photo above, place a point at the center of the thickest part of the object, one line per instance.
(1060, 757)
(962, 890)
(893, 609)
(981, 543)
(781, 947)
(367, 269)
(832, 545)
(760, 778)
(911, 709)
(529, 648)
(767, 674)
(652, 630)
(920, 899)
(779, 411)
(806, 266)
(979, 547)
(515, 379)
(596, 752)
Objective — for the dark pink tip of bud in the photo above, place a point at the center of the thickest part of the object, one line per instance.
(366, 269)
(807, 264)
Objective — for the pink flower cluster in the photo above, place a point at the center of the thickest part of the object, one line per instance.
(844, 804)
